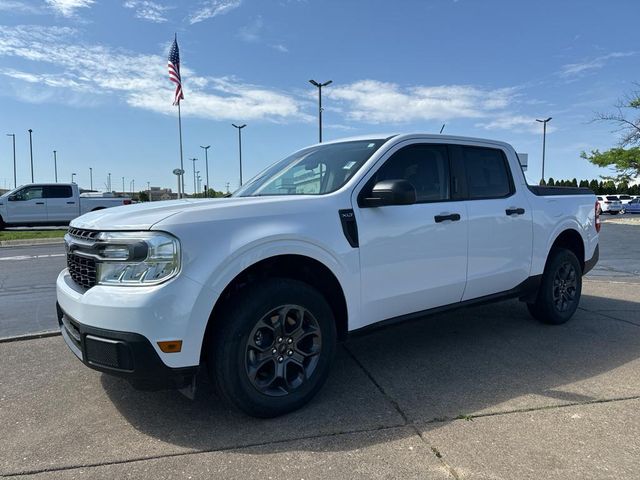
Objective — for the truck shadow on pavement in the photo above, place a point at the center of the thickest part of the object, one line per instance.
(476, 361)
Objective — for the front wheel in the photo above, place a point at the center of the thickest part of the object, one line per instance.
(560, 288)
(273, 347)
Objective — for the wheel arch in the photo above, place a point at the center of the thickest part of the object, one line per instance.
(295, 266)
(570, 239)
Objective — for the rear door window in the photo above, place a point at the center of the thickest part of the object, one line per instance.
(58, 191)
(487, 172)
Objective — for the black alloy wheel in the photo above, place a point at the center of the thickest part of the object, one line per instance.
(282, 350)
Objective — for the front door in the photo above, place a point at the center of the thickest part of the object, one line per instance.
(412, 257)
(27, 205)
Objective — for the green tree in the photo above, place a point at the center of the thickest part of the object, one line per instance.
(143, 196)
(584, 184)
(625, 158)
(574, 182)
(551, 182)
(593, 185)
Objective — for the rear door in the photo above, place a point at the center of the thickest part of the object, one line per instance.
(500, 223)
(61, 204)
(412, 257)
(27, 205)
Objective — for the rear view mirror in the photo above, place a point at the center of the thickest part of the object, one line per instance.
(391, 192)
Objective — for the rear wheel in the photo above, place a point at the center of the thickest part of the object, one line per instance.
(560, 289)
(273, 347)
(2, 224)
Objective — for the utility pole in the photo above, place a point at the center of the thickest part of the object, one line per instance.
(90, 178)
(15, 182)
(240, 127)
(31, 152)
(227, 187)
(109, 181)
(320, 85)
(544, 141)
(206, 161)
(123, 190)
(194, 160)
(149, 190)
(55, 165)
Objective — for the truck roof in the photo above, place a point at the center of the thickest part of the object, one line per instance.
(425, 136)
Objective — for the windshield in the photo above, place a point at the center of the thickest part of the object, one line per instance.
(312, 171)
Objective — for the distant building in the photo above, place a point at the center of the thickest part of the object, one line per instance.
(158, 193)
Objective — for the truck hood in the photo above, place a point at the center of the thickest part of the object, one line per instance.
(143, 216)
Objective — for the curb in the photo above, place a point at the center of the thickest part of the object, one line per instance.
(30, 336)
(31, 241)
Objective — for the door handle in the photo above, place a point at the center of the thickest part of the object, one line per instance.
(514, 211)
(454, 217)
(71, 203)
(39, 203)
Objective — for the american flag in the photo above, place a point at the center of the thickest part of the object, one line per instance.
(174, 71)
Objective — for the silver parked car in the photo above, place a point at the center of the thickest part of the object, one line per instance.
(633, 206)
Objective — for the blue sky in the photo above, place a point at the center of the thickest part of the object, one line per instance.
(90, 78)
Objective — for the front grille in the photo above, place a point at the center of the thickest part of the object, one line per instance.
(83, 234)
(82, 270)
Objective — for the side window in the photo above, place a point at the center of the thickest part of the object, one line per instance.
(425, 166)
(29, 193)
(488, 173)
(58, 191)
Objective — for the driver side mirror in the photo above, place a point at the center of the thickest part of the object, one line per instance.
(390, 192)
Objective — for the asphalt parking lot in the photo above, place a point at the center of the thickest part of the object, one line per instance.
(482, 393)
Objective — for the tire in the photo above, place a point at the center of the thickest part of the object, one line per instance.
(560, 289)
(273, 347)
(2, 224)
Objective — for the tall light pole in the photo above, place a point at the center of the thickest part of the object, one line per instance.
(31, 152)
(73, 175)
(90, 178)
(15, 182)
(55, 165)
(149, 190)
(206, 161)
(109, 181)
(132, 186)
(123, 190)
(320, 85)
(544, 141)
(240, 127)
(194, 160)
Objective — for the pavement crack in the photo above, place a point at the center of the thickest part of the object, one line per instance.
(407, 422)
(609, 316)
(198, 452)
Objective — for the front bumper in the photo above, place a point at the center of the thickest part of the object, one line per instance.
(124, 354)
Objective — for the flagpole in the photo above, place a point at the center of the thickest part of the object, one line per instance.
(180, 192)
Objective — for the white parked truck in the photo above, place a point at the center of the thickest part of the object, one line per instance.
(340, 236)
(49, 204)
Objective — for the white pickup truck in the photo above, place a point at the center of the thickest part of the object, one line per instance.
(49, 204)
(337, 237)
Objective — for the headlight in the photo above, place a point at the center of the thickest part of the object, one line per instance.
(136, 258)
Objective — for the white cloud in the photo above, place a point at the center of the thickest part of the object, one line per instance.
(279, 47)
(68, 8)
(213, 8)
(148, 10)
(515, 123)
(573, 69)
(251, 33)
(141, 80)
(372, 101)
(17, 6)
